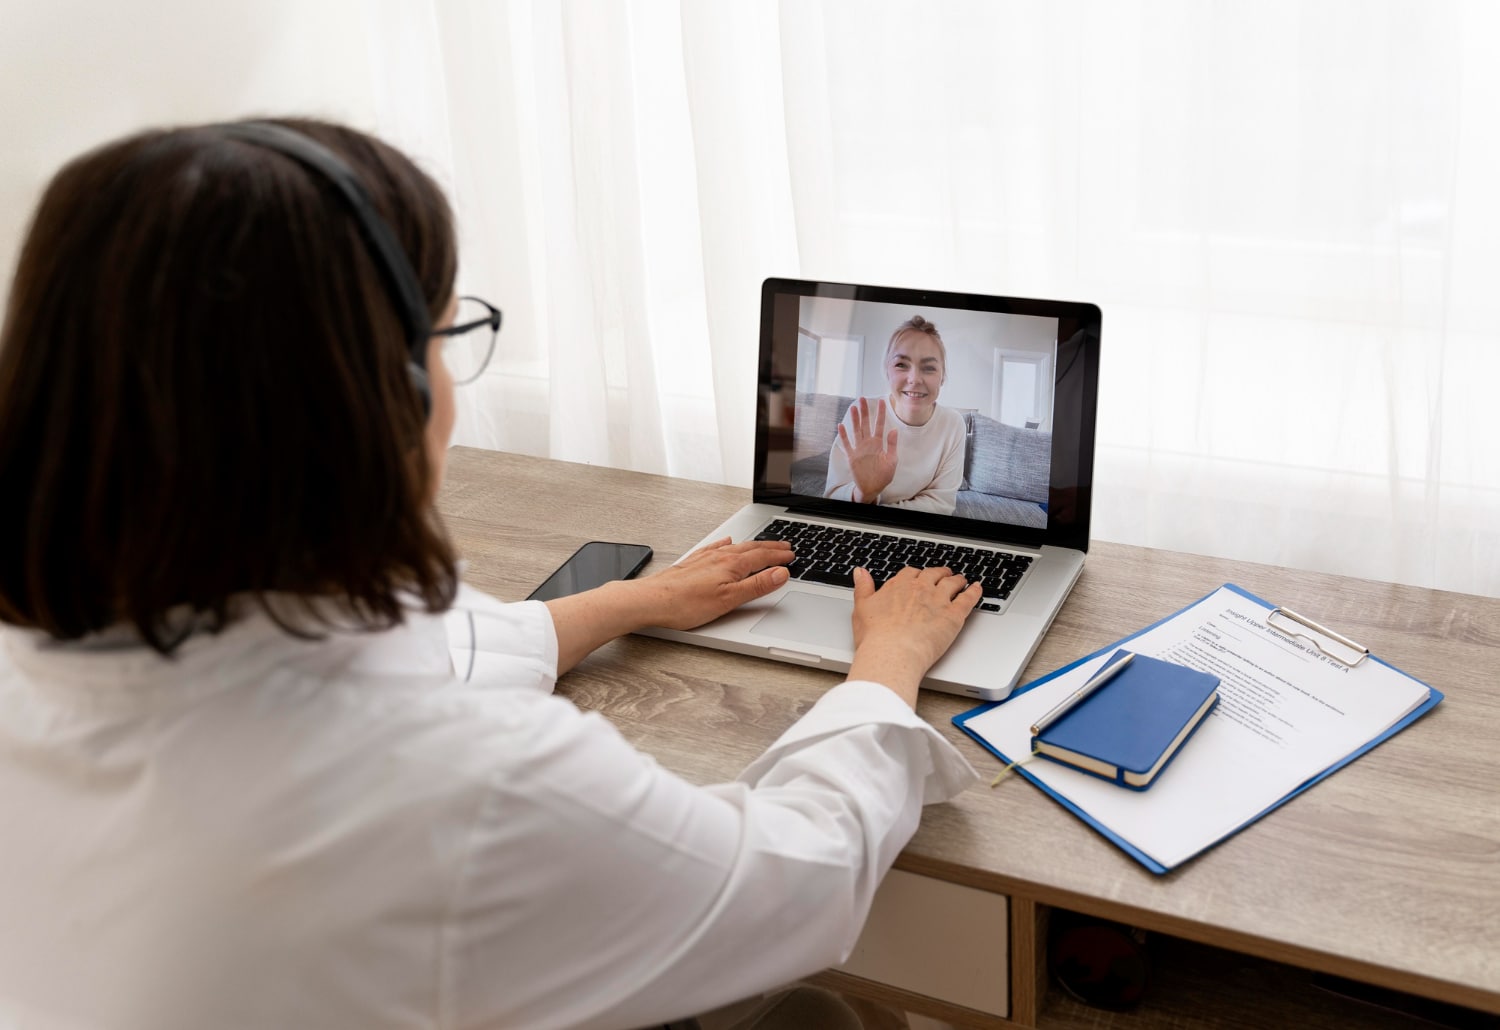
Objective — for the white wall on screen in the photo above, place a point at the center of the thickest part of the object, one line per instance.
(998, 365)
(1021, 393)
(838, 364)
(969, 339)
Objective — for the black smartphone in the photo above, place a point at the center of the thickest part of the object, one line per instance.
(594, 564)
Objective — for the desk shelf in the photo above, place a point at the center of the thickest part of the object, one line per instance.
(1190, 985)
(1208, 988)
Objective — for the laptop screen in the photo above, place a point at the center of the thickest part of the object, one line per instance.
(949, 412)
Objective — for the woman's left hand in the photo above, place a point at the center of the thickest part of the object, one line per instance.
(715, 579)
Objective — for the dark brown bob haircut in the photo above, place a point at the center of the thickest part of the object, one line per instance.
(204, 393)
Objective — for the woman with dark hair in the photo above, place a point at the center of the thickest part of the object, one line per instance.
(242, 785)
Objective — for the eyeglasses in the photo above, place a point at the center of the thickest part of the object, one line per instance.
(466, 348)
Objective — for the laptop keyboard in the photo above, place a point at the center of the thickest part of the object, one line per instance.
(830, 554)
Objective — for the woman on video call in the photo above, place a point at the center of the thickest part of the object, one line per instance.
(242, 784)
(919, 462)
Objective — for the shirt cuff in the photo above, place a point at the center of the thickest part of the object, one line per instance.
(495, 643)
(863, 703)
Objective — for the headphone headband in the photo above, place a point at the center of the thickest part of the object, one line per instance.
(395, 268)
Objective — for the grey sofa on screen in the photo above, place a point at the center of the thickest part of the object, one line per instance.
(1006, 470)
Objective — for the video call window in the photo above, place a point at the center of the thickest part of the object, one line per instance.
(968, 396)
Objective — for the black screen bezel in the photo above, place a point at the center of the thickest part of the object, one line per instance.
(1076, 390)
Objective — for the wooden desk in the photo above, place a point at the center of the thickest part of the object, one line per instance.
(1388, 872)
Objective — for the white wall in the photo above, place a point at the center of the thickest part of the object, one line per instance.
(74, 74)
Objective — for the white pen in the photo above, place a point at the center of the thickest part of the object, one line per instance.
(1096, 681)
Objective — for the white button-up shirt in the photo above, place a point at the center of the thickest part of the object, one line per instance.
(267, 832)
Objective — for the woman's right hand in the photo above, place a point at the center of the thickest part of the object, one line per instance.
(903, 628)
(871, 450)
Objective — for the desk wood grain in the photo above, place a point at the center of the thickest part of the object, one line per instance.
(1388, 871)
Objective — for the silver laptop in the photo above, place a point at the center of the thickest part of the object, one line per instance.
(992, 401)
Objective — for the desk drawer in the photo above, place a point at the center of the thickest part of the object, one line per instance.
(937, 939)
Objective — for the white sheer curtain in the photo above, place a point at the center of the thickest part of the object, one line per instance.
(1286, 211)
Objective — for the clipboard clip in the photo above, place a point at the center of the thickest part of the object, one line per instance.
(1335, 645)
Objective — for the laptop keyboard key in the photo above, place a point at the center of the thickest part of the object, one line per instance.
(829, 576)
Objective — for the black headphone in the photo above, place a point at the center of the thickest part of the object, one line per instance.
(401, 281)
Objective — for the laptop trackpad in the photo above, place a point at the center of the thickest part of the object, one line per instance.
(810, 619)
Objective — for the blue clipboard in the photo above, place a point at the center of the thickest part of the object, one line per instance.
(1433, 698)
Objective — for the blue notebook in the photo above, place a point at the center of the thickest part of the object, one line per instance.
(1129, 729)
